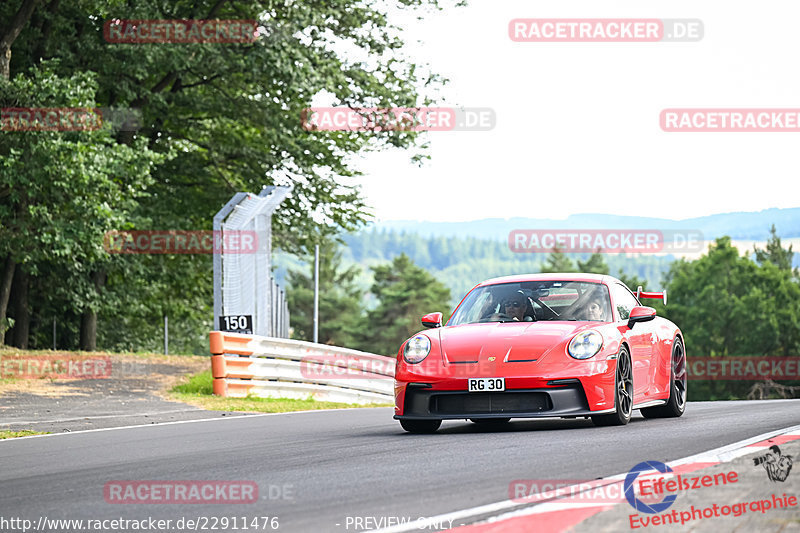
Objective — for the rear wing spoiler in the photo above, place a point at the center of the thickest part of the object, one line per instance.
(652, 295)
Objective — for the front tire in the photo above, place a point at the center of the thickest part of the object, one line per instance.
(623, 397)
(421, 426)
(676, 405)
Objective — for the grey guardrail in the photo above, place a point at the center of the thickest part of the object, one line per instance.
(270, 367)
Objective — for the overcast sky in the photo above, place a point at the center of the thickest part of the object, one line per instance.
(578, 123)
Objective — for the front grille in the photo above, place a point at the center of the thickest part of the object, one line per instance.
(490, 403)
(423, 402)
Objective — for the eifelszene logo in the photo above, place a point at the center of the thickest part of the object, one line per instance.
(630, 483)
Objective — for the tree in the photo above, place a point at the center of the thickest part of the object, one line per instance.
(61, 192)
(221, 118)
(775, 253)
(232, 113)
(405, 292)
(727, 305)
(557, 261)
(8, 34)
(596, 264)
(340, 300)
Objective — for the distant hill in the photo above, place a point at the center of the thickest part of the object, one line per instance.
(742, 225)
(461, 254)
(461, 262)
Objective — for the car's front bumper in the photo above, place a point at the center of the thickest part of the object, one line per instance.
(574, 388)
(424, 402)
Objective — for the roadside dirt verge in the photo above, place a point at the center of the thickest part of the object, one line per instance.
(134, 393)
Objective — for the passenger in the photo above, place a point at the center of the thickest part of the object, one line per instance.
(594, 309)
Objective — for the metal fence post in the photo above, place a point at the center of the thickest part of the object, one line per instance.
(316, 293)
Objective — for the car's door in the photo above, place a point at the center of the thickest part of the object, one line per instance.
(640, 339)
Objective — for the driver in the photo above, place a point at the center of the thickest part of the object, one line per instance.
(515, 306)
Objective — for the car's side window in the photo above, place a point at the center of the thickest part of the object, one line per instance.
(623, 300)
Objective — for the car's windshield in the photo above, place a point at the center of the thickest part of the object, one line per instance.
(531, 301)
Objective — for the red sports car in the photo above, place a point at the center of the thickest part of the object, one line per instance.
(542, 345)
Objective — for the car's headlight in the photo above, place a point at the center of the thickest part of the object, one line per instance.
(417, 349)
(585, 344)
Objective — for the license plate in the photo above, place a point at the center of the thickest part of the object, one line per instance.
(486, 384)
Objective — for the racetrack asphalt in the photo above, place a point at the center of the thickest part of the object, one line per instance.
(319, 471)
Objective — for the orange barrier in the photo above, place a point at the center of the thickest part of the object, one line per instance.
(222, 367)
(223, 342)
(223, 387)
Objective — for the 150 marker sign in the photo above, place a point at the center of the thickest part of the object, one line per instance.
(237, 323)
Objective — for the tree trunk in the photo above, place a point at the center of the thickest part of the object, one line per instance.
(22, 311)
(5, 291)
(89, 331)
(5, 63)
(89, 318)
(10, 33)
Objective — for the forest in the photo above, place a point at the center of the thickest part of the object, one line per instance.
(201, 122)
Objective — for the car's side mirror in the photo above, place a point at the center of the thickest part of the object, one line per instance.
(641, 314)
(432, 320)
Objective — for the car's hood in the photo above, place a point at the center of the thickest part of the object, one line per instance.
(508, 341)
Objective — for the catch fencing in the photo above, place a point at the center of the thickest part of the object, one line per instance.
(268, 367)
(246, 297)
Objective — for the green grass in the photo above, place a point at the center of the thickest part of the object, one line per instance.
(198, 384)
(4, 434)
(197, 391)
